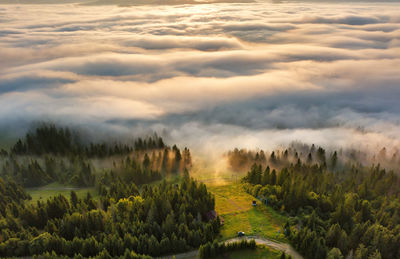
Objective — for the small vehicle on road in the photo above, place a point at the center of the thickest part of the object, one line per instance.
(241, 234)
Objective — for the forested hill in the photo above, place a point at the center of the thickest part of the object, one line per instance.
(136, 213)
(124, 222)
(337, 212)
(51, 154)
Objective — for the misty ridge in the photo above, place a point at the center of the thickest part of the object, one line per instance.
(71, 145)
(335, 160)
(48, 153)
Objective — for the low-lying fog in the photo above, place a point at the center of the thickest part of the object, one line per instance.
(211, 77)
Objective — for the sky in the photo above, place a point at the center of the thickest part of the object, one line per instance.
(207, 76)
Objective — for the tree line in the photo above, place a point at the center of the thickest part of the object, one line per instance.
(50, 154)
(242, 159)
(50, 139)
(34, 172)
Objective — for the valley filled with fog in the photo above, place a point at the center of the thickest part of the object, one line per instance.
(236, 75)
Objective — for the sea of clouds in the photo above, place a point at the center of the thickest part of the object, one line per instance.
(209, 76)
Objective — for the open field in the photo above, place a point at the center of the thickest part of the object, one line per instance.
(230, 198)
(234, 205)
(53, 189)
(260, 221)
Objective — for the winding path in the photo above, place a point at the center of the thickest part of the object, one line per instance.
(288, 249)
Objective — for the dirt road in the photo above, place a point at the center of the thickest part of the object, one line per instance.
(288, 249)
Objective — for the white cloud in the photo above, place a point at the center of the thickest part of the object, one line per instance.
(257, 74)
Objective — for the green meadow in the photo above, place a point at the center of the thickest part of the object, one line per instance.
(44, 192)
(234, 205)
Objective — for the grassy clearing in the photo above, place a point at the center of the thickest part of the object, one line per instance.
(230, 198)
(261, 252)
(234, 205)
(44, 192)
(259, 221)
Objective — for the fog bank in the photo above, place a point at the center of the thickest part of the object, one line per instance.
(211, 77)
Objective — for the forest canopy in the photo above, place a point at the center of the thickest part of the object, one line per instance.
(338, 209)
(128, 218)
